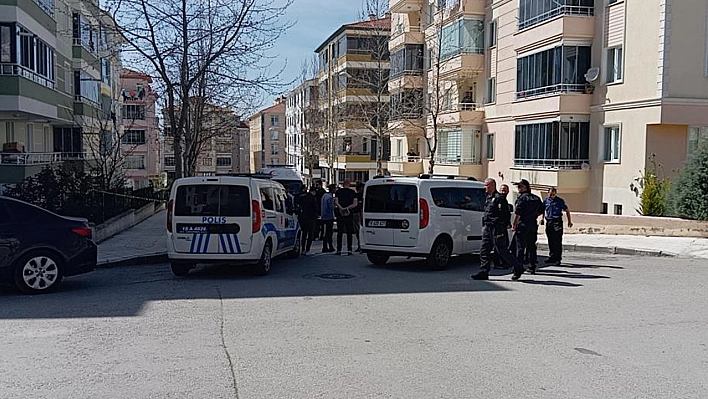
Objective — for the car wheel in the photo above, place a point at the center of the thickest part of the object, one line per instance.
(440, 254)
(181, 269)
(295, 253)
(377, 259)
(39, 272)
(262, 268)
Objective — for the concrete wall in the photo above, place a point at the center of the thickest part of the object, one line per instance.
(124, 221)
(685, 71)
(590, 223)
(670, 144)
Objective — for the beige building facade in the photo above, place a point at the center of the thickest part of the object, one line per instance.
(268, 140)
(581, 95)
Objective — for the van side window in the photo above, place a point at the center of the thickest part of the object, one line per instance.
(473, 199)
(468, 199)
(267, 198)
(278, 196)
(391, 198)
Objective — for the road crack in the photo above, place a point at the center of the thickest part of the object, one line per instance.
(223, 344)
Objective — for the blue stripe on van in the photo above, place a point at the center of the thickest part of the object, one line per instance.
(231, 244)
(194, 241)
(199, 244)
(206, 243)
(238, 244)
(223, 243)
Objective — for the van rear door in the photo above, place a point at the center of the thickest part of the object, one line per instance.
(212, 218)
(391, 211)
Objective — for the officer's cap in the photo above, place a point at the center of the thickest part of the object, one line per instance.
(523, 182)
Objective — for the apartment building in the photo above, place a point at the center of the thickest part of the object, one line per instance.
(140, 140)
(241, 149)
(582, 95)
(221, 138)
(302, 117)
(268, 141)
(351, 68)
(59, 86)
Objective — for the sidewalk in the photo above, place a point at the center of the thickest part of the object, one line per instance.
(142, 243)
(145, 243)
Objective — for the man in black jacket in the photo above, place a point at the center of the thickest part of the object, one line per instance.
(307, 216)
(528, 208)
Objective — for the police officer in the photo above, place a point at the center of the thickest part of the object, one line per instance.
(496, 219)
(554, 208)
(498, 263)
(528, 208)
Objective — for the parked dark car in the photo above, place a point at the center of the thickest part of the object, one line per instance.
(39, 248)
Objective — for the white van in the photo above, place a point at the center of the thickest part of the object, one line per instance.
(429, 217)
(288, 176)
(227, 219)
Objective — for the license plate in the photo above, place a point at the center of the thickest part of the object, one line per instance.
(232, 228)
(376, 223)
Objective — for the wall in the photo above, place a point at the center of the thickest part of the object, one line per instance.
(670, 144)
(124, 221)
(686, 38)
(590, 223)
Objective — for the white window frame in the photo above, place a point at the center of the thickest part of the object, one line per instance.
(491, 90)
(490, 139)
(612, 73)
(493, 28)
(615, 155)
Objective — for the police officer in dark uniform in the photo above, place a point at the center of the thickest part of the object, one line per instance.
(496, 220)
(528, 208)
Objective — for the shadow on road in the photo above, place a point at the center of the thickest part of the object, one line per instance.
(125, 292)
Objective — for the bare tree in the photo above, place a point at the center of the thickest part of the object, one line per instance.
(314, 119)
(190, 45)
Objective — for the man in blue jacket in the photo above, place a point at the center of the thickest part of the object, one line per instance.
(328, 219)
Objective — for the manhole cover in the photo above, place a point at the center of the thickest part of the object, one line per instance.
(335, 276)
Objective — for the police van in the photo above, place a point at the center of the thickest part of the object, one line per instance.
(243, 220)
(428, 216)
(288, 176)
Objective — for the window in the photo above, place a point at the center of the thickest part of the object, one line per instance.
(274, 149)
(492, 33)
(267, 198)
(135, 137)
(169, 161)
(469, 199)
(697, 136)
(105, 71)
(223, 161)
(135, 162)
(207, 162)
(213, 200)
(394, 198)
(491, 90)
(604, 208)
(464, 36)
(86, 88)
(407, 61)
(68, 73)
(557, 70)
(275, 120)
(490, 146)
(5, 43)
(614, 65)
(552, 145)
(612, 1)
(134, 112)
(278, 199)
(273, 135)
(364, 145)
(611, 143)
(618, 209)
(407, 104)
(532, 12)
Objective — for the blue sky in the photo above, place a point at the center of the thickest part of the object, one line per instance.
(314, 21)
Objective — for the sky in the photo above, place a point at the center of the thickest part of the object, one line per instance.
(313, 21)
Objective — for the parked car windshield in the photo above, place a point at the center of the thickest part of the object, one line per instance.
(391, 198)
(212, 200)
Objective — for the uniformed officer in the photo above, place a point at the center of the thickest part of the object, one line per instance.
(495, 220)
(498, 263)
(555, 206)
(528, 208)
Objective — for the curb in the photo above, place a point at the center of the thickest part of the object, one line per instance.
(134, 261)
(610, 250)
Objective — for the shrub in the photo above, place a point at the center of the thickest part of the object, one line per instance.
(654, 190)
(688, 199)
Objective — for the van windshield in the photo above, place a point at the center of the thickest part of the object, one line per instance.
(213, 200)
(391, 198)
(294, 187)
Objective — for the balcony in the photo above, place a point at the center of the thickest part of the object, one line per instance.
(573, 10)
(16, 166)
(402, 35)
(406, 80)
(468, 63)
(405, 6)
(564, 25)
(461, 114)
(470, 167)
(569, 175)
(562, 99)
(406, 165)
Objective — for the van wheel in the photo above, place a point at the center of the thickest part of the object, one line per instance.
(440, 254)
(377, 259)
(181, 269)
(295, 253)
(262, 268)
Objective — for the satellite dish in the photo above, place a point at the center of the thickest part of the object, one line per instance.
(592, 74)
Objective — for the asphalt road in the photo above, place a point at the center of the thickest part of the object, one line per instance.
(597, 327)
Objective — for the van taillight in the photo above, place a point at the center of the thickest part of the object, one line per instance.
(424, 214)
(170, 206)
(84, 232)
(257, 217)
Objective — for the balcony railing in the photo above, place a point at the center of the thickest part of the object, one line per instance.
(406, 158)
(553, 89)
(401, 29)
(456, 160)
(462, 51)
(552, 163)
(561, 10)
(19, 70)
(407, 72)
(39, 158)
(461, 107)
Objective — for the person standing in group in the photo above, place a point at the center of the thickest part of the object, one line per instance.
(498, 262)
(496, 220)
(528, 208)
(554, 208)
(307, 216)
(344, 202)
(328, 219)
(357, 212)
(320, 185)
